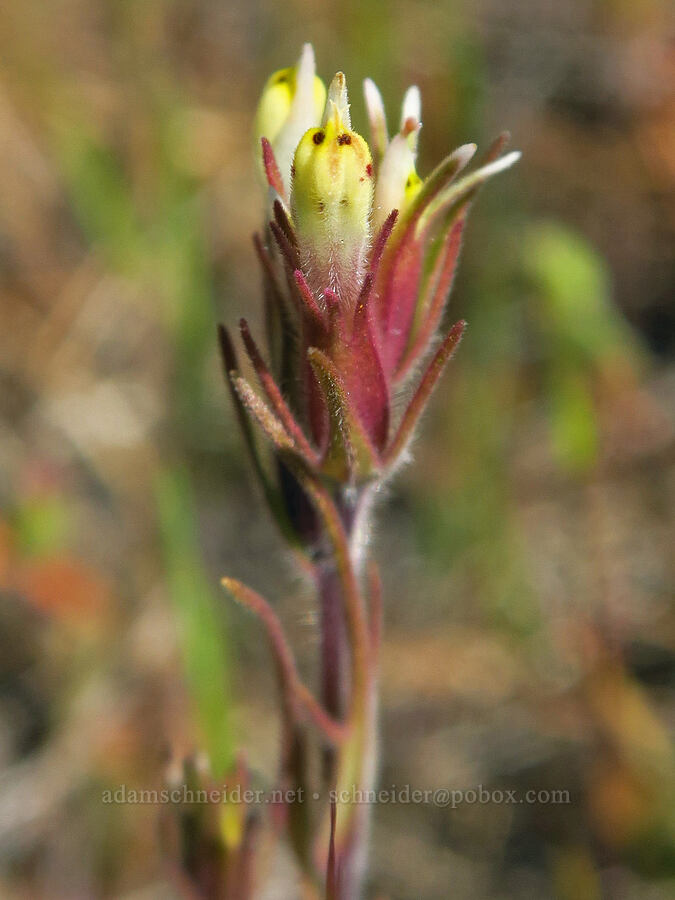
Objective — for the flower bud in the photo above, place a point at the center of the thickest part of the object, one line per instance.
(331, 199)
(292, 101)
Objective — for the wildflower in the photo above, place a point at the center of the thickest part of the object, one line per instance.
(292, 101)
(358, 257)
(358, 260)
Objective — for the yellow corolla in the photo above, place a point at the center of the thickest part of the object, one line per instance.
(292, 101)
(332, 196)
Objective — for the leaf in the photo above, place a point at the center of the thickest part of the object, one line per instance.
(276, 399)
(309, 304)
(364, 374)
(497, 147)
(350, 452)
(573, 420)
(280, 312)
(267, 266)
(463, 189)
(284, 223)
(441, 176)
(271, 168)
(355, 613)
(442, 263)
(399, 296)
(286, 248)
(296, 694)
(421, 397)
(401, 271)
(381, 241)
(270, 492)
(440, 202)
(269, 423)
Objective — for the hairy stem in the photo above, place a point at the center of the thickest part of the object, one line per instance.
(334, 650)
(349, 694)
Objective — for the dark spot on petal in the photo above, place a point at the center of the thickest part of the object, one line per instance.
(408, 182)
(344, 139)
(318, 137)
(282, 79)
(344, 202)
(362, 178)
(320, 205)
(369, 170)
(292, 170)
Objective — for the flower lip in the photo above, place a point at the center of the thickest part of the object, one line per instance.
(331, 199)
(292, 102)
(337, 104)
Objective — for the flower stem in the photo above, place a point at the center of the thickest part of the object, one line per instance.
(348, 683)
(334, 651)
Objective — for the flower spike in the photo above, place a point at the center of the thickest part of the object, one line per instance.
(358, 256)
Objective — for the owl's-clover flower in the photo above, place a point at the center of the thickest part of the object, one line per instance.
(358, 257)
(331, 200)
(358, 260)
(292, 101)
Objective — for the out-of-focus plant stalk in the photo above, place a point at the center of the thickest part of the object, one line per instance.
(358, 257)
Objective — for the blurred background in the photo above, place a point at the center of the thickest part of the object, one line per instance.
(527, 554)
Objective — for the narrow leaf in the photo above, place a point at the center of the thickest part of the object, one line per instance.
(350, 448)
(427, 384)
(335, 320)
(282, 220)
(497, 147)
(288, 251)
(355, 613)
(381, 241)
(437, 288)
(401, 270)
(270, 493)
(364, 374)
(441, 176)
(272, 427)
(276, 399)
(308, 300)
(267, 266)
(293, 689)
(272, 172)
(464, 189)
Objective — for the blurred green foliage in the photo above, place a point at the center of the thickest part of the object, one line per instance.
(42, 525)
(578, 331)
(199, 619)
